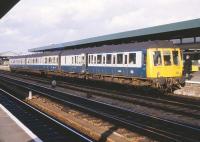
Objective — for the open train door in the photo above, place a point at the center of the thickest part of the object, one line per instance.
(84, 62)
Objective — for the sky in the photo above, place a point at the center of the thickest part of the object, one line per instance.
(37, 23)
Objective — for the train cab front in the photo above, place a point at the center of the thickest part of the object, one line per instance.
(164, 66)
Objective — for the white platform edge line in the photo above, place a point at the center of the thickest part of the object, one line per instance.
(194, 82)
(21, 125)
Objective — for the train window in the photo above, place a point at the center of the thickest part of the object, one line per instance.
(114, 57)
(72, 60)
(95, 60)
(57, 59)
(91, 59)
(144, 58)
(45, 60)
(54, 60)
(125, 59)
(108, 58)
(167, 58)
(175, 57)
(89, 62)
(132, 58)
(119, 58)
(99, 59)
(157, 58)
(49, 59)
(104, 59)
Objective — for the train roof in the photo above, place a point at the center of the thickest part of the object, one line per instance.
(179, 30)
(106, 48)
(121, 48)
(35, 55)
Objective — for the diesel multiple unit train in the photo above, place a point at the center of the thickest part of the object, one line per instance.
(155, 63)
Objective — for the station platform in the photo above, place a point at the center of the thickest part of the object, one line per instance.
(192, 86)
(12, 130)
(4, 68)
(195, 80)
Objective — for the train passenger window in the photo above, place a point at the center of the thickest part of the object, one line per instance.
(119, 58)
(132, 58)
(167, 58)
(175, 57)
(65, 60)
(114, 57)
(157, 58)
(99, 59)
(72, 60)
(91, 59)
(104, 59)
(95, 60)
(144, 58)
(45, 60)
(125, 59)
(57, 60)
(89, 62)
(108, 58)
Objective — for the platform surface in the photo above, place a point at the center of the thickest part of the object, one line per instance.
(195, 78)
(12, 130)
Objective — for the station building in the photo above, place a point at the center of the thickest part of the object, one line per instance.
(4, 57)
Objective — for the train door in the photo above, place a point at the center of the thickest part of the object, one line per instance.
(84, 62)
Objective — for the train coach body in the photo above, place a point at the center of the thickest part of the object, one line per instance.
(36, 62)
(145, 61)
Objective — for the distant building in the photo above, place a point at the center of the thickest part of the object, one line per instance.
(4, 57)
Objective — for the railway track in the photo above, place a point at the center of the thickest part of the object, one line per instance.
(160, 129)
(190, 109)
(45, 127)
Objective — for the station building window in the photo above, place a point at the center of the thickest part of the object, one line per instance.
(197, 39)
(175, 57)
(167, 58)
(119, 58)
(99, 59)
(108, 58)
(157, 58)
(132, 58)
(176, 41)
(188, 40)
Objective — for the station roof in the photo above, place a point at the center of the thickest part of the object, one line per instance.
(8, 54)
(177, 30)
(6, 5)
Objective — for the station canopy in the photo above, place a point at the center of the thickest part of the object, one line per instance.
(6, 5)
(179, 30)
